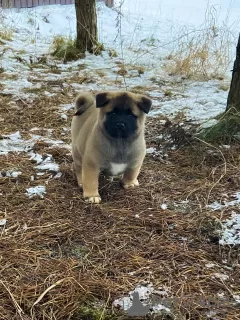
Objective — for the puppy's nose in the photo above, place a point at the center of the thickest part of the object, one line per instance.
(120, 125)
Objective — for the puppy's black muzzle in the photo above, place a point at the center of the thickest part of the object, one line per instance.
(120, 125)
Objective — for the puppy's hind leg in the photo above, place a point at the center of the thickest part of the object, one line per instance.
(78, 172)
(77, 167)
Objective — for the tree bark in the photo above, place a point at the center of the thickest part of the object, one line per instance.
(109, 3)
(87, 36)
(233, 100)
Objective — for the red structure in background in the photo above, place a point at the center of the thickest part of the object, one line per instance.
(34, 3)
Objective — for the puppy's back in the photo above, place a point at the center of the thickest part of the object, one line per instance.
(83, 121)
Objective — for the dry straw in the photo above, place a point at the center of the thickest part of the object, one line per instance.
(58, 254)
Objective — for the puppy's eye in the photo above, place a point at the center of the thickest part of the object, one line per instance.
(132, 116)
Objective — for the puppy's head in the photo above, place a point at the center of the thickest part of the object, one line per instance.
(122, 114)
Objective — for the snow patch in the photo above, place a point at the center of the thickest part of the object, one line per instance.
(14, 143)
(58, 175)
(208, 124)
(36, 191)
(231, 230)
(44, 164)
(64, 116)
(3, 221)
(221, 276)
(36, 157)
(217, 206)
(163, 206)
(210, 265)
(67, 107)
(10, 174)
(151, 150)
(48, 166)
(145, 292)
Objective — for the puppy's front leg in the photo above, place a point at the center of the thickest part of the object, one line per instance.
(90, 176)
(130, 176)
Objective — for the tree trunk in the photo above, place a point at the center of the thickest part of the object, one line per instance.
(87, 37)
(109, 3)
(233, 100)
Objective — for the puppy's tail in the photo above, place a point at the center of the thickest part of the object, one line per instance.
(83, 102)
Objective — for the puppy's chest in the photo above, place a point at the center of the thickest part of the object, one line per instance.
(116, 169)
(117, 161)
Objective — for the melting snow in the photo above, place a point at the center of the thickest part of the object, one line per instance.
(163, 206)
(48, 166)
(210, 265)
(44, 164)
(221, 276)
(14, 143)
(58, 175)
(231, 230)
(217, 206)
(66, 107)
(36, 191)
(230, 234)
(12, 174)
(151, 150)
(64, 116)
(144, 295)
(3, 221)
(36, 157)
(236, 298)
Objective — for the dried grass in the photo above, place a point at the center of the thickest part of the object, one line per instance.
(6, 34)
(59, 253)
(202, 54)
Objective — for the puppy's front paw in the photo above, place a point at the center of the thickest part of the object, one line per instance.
(129, 185)
(96, 199)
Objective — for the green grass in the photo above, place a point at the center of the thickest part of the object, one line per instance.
(91, 312)
(65, 48)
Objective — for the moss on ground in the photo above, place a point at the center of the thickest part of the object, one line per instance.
(227, 129)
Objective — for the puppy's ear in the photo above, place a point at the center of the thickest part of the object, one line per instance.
(144, 103)
(102, 99)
